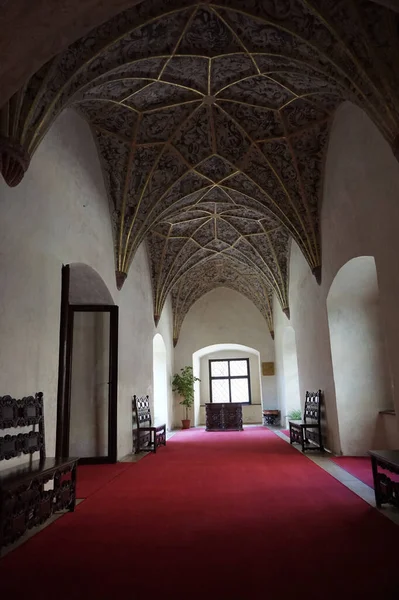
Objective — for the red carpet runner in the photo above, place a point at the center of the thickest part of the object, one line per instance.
(226, 516)
(358, 466)
(91, 478)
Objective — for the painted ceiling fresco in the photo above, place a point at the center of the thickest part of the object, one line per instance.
(212, 122)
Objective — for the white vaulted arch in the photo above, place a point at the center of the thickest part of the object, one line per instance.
(358, 356)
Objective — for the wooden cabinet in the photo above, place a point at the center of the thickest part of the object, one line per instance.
(223, 417)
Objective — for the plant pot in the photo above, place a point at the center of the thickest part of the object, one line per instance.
(186, 423)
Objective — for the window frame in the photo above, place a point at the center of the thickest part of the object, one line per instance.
(229, 378)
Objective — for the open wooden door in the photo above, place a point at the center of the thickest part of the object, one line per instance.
(88, 383)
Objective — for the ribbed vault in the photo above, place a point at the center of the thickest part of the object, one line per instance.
(220, 272)
(212, 121)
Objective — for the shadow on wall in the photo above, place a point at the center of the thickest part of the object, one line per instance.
(358, 356)
(86, 286)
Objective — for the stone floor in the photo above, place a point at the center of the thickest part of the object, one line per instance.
(322, 459)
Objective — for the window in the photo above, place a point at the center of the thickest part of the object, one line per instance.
(229, 380)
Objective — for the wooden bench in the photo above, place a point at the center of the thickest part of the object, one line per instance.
(308, 432)
(386, 489)
(146, 436)
(24, 501)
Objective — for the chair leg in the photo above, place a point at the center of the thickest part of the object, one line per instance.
(303, 442)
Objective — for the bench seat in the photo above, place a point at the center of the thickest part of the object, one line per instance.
(301, 423)
(25, 498)
(14, 476)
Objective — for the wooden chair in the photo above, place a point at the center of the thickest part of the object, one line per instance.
(308, 432)
(146, 436)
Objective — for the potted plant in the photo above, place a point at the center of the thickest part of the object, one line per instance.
(183, 384)
(294, 415)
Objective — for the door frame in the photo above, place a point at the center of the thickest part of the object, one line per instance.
(65, 374)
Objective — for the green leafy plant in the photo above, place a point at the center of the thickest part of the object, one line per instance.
(183, 384)
(295, 414)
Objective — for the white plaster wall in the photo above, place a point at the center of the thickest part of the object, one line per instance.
(359, 217)
(389, 428)
(165, 328)
(88, 434)
(251, 413)
(286, 366)
(160, 380)
(279, 322)
(59, 215)
(358, 356)
(224, 316)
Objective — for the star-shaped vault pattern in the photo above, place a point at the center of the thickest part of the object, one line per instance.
(212, 122)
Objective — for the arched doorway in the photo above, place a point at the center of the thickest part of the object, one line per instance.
(160, 379)
(358, 356)
(290, 367)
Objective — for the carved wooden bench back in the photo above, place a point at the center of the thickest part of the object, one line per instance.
(26, 412)
(312, 412)
(142, 411)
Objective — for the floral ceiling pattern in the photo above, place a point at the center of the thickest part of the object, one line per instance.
(212, 122)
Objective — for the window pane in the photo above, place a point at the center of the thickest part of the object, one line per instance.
(239, 390)
(219, 368)
(239, 367)
(220, 390)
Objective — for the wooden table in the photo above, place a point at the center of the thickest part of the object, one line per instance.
(223, 416)
(385, 488)
(271, 417)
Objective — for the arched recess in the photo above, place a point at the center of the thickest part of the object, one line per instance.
(160, 381)
(291, 378)
(252, 412)
(358, 356)
(86, 286)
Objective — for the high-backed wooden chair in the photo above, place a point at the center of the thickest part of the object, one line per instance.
(146, 436)
(307, 432)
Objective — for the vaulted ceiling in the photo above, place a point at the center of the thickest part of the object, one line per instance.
(212, 122)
